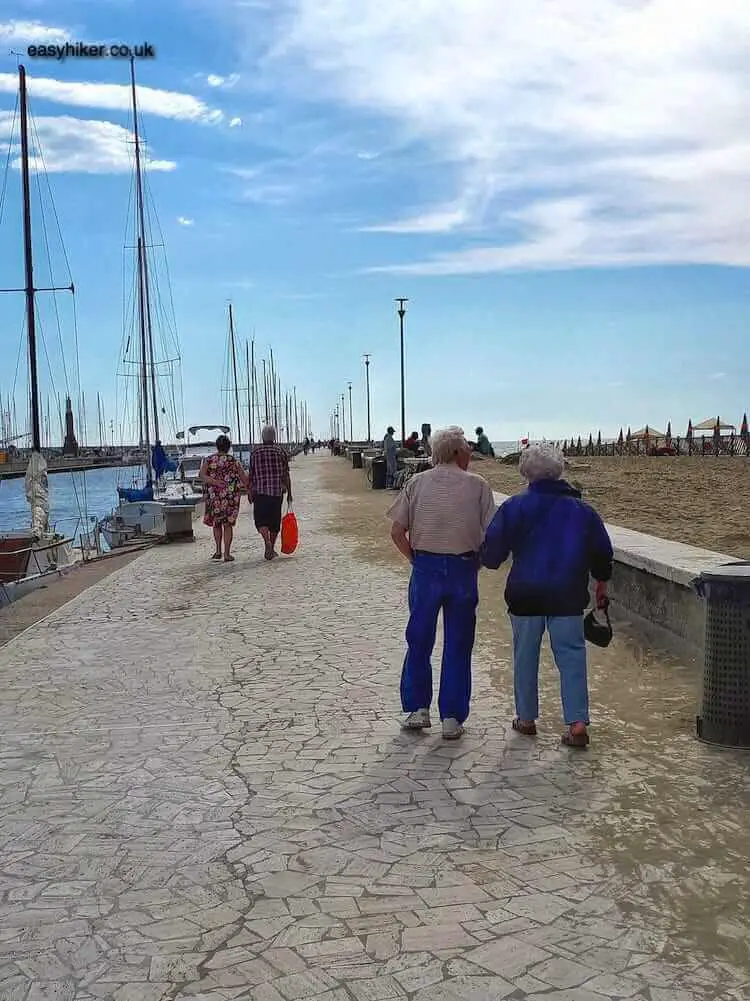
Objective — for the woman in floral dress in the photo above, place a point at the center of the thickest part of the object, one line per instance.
(225, 481)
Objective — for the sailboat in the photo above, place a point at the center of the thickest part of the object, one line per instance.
(29, 555)
(160, 507)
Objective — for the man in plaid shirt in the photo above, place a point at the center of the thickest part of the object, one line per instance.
(269, 481)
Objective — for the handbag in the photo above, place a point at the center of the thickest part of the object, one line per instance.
(596, 632)
(289, 532)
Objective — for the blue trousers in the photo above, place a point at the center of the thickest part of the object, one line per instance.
(449, 583)
(569, 650)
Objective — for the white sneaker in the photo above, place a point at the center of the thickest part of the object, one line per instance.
(452, 729)
(418, 720)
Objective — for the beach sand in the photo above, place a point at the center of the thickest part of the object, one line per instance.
(700, 501)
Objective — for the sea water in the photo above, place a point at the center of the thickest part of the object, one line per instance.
(76, 499)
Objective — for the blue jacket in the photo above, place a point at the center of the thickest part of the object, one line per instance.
(557, 541)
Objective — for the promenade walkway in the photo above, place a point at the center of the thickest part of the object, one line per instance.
(204, 793)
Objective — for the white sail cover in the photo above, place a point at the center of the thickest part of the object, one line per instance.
(37, 493)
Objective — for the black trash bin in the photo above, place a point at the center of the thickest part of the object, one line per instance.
(725, 714)
(356, 459)
(378, 474)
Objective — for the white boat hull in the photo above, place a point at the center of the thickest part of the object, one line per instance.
(49, 556)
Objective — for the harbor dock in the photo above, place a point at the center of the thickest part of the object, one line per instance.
(16, 468)
(205, 794)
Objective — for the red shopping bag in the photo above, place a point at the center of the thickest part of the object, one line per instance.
(289, 533)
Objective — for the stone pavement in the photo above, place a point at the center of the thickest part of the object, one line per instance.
(204, 794)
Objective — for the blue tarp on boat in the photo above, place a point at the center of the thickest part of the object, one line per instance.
(134, 494)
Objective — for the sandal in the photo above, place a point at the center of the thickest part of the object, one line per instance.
(229, 559)
(526, 727)
(576, 736)
(216, 556)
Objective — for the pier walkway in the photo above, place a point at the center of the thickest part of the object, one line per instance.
(204, 793)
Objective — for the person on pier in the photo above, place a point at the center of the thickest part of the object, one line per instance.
(391, 457)
(225, 480)
(483, 445)
(270, 479)
(438, 523)
(557, 542)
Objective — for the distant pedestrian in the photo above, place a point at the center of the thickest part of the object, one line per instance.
(391, 461)
(412, 443)
(225, 480)
(426, 442)
(483, 445)
(270, 479)
(557, 541)
(439, 520)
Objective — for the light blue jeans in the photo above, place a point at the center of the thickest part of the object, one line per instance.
(569, 650)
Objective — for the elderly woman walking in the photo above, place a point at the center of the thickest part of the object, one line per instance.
(557, 542)
(225, 479)
(439, 521)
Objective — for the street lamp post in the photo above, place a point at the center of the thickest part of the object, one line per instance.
(367, 384)
(401, 314)
(343, 416)
(351, 417)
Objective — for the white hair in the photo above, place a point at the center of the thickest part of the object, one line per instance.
(541, 462)
(447, 444)
(268, 434)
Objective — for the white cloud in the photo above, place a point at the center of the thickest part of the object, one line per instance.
(31, 33)
(184, 221)
(76, 145)
(438, 221)
(586, 132)
(114, 97)
(235, 123)
(213, 80)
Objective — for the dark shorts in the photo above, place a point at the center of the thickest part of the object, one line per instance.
(267, 512)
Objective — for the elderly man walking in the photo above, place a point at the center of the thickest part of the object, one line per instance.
(557, 542)
(269, 481)
(439, 521)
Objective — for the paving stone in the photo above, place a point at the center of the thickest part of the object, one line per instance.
(508, 956)
(436, 937)
(560, 973)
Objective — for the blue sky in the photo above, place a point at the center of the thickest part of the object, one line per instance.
(560, 190)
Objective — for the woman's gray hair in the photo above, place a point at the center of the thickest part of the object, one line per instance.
(268, 434)
(541, 462)
(447, 444)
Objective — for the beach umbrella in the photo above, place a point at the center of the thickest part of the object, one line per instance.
(578, 446)
(647, 432)
(744, 429)
(599, 440)
(669, 430)
(620, 438)
(715, 424)
(628, 436)
(689, 432)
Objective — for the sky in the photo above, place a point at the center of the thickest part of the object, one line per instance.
(559, 188)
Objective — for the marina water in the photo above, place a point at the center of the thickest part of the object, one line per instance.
(76, 499)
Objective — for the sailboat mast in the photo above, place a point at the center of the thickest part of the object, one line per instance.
(248, 366)
(234, 373)
(143, 270)
(265, 393)
(143, 402)
(36, 442)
